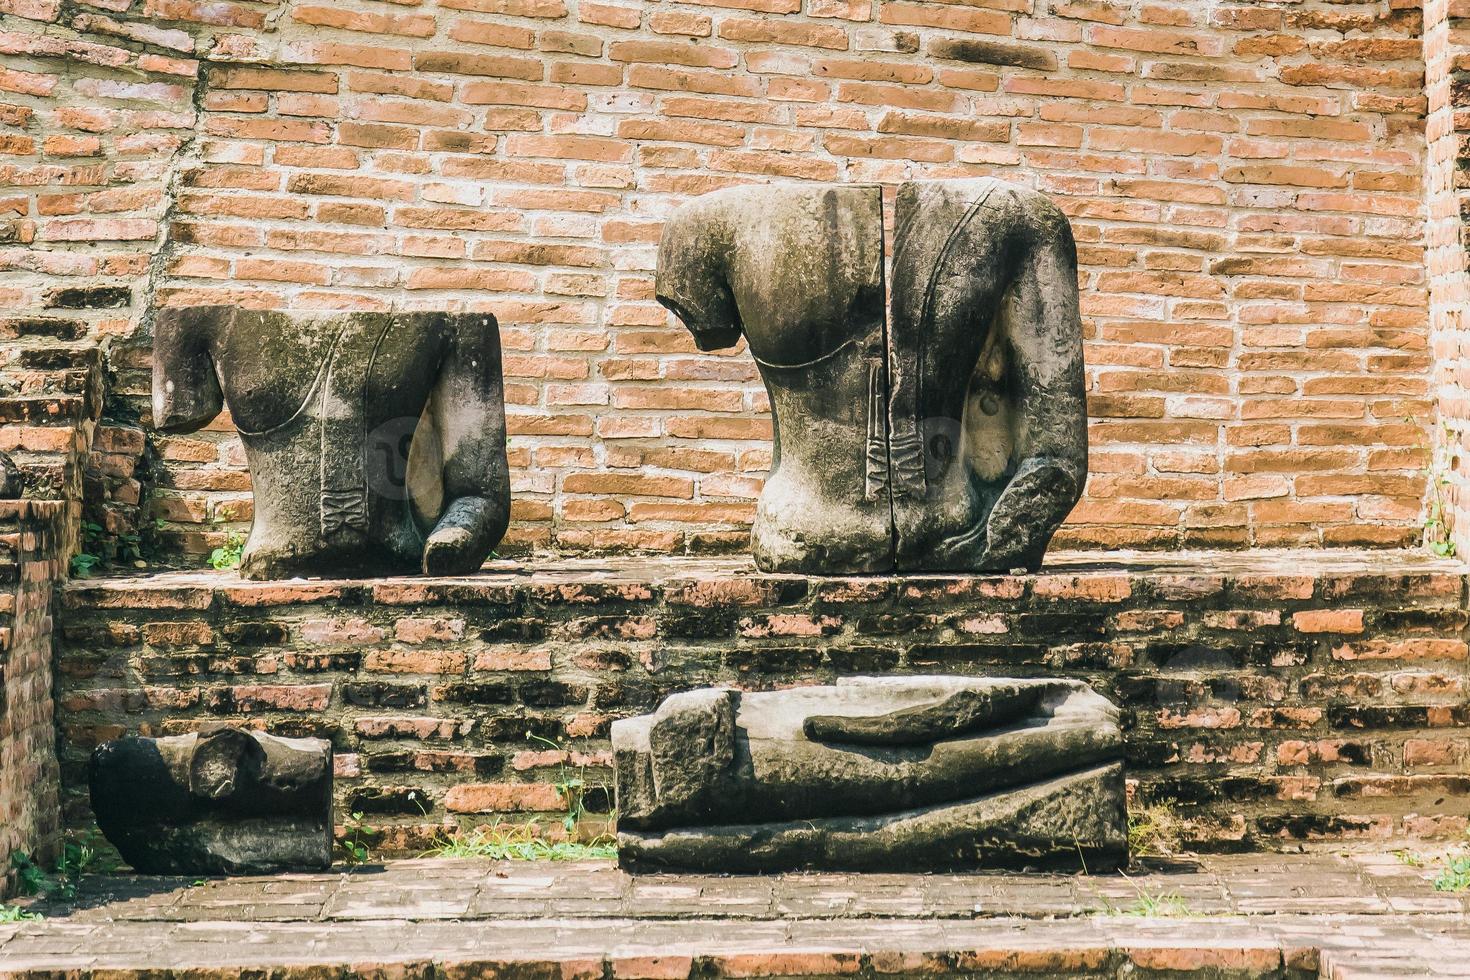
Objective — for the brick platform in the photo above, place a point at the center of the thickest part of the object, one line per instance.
(1232, 916)
(1278, 697)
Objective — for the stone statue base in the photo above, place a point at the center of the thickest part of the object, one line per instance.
(875, 774)
(222, 802)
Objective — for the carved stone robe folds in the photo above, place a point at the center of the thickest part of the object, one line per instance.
(948, 432)
(874, 774)
(376, 441)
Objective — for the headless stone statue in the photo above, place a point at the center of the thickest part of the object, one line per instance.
(874, 773)
(225, 801)
(376, 441)
(949, 433)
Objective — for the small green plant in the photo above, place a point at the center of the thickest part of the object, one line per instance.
(1155, 830)
(521, 842)
(1160, 906)
(1456, 875)
(85, 853)
(14, 913)
(228, 555)
(1409, 858)
(30, 877)
(356, 840)
(81, 853)
(83, 563)
(571, 787)
(130, 549)
(1439, 524)
(1150, 905)
(100, 550)
(1436, 520)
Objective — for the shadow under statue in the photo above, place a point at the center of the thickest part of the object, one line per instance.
(947, 433)
(376, 441)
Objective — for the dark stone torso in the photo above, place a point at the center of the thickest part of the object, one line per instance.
(814, 321)
(947, 434)
(325, 456)
(955, 250)
(375, 441)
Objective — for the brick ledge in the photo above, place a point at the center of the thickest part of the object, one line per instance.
(661, 570)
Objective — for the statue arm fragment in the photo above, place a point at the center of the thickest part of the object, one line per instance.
(1044, 338)
(692, 280)
(958, 714)
(186, 391)
(468, 411)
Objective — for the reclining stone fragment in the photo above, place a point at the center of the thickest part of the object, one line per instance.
(876, 774)
(225, 801)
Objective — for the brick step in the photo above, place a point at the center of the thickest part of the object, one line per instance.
(51, 368)
(42, 409)
(547, 948)
(1269, 697)
(1257, 916)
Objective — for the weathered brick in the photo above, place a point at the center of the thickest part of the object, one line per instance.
(1267, 203)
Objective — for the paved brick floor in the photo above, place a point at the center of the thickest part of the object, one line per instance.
(1255, 915)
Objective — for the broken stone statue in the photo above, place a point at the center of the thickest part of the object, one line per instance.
(948, 432)
(376, 441)
(874, 774)
(222, 802)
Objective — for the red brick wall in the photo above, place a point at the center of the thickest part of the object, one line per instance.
(32, 560)
(1272, 699)
(1447, 181)
(1244, 181)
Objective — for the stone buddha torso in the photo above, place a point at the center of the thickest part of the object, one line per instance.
(805, 286)
(375, 441)
(948, 433)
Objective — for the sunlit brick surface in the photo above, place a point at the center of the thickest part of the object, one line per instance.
(1244, 180)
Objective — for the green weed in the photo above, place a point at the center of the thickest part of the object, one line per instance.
(1155, 830)
(83, 563)
(356, 840)
(228, 555)
(572, 787)
(81, 853)
(1455, 877)
(1439, 524)
(14, 913)
(1149, 905)
(100, 550)
(520, 842)
(1158, 906)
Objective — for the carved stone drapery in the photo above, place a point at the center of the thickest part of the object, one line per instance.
(874, 773)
